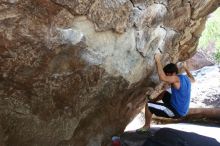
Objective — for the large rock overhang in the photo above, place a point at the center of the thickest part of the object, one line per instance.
(75, 72)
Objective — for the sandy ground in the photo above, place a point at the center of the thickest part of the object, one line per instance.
(205, 93)
(209, 131)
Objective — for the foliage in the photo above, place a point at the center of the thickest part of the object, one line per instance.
(217, 57)
(211, 34)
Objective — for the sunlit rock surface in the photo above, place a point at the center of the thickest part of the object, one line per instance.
(74, 72)
(206, 89)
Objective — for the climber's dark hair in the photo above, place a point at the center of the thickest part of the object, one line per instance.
(170, 68)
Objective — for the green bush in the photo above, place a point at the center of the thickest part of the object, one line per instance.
(217, 57)
(211, 34)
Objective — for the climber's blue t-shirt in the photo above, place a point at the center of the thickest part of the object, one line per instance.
(180, 98)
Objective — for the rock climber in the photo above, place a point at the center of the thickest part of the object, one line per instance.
(176, 103)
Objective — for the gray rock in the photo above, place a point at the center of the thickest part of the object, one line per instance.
(75, 72)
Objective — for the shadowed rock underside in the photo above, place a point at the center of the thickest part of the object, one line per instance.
(74, 73)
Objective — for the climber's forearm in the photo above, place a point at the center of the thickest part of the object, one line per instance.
(160, 71)
(192, 79)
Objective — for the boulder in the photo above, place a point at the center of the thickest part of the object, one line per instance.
(166, 137)
(75, 72)
(198, 61)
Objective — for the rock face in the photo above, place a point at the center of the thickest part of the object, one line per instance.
(198, 61)
(75, 72)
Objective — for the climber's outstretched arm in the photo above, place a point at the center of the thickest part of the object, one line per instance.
(192, 79)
